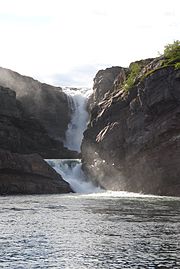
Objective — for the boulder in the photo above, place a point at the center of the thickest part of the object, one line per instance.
(28, 174)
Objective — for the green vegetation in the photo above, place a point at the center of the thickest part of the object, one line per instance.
(171, 58)
(172, 55)
(172, 51)
(135, 69)
(177, 66)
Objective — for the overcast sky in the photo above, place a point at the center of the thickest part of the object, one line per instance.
(65, 42)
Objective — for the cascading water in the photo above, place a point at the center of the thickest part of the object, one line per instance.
(77, 99)
(70, 170)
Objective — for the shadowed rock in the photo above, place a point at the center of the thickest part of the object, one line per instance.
(24, 134)
(28, 174)
(40, 101)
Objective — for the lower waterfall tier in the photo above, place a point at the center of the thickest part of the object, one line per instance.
(71, 172)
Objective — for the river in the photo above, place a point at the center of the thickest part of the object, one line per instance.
(80, 231)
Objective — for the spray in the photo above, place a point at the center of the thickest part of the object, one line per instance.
(71, 171)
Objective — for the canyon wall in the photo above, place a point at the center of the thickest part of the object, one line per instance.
(33, 120)
(33, 116)
(132, 142)
(40, 101)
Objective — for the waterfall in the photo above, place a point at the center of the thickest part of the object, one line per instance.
(71, 171)
(77, 99)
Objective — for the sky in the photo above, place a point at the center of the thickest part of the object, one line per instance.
(65, 42)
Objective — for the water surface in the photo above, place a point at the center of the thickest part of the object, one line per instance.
(106, 230)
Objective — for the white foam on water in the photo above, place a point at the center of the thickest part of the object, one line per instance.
(119, 194)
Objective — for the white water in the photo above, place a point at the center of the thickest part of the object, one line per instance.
(78, 101)
(71, 171)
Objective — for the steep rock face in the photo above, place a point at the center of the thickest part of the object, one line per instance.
(45, 103)
(8, 104)
(133, 139)
(102, 83)
(28, 174)
(33, 119)
(23, 134)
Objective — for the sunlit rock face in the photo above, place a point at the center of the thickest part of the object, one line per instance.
(133, 139)
(103, 83)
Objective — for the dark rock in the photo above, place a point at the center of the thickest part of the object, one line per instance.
(45, 103)
(103, 82)
(33, 119)
(8, 103)
(24, 134)
(133, 139)
(28, 174)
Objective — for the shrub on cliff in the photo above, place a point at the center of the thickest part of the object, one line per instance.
(177, 66)
(172, 52)
(135, 69)
(170, 57)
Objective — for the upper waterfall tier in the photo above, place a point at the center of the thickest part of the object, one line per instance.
(77, 99)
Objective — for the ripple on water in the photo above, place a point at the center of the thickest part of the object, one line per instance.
(90, 231)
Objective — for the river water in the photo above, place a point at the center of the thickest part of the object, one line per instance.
(102, 230)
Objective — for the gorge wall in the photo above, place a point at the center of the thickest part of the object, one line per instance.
(132, 142)
(33, 116)
(33, 120)
(45, 103)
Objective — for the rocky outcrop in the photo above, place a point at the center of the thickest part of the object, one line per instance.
(22, 133)
(28, 174)
(45, 103)
(31, 117)
(105, 78)
(133, 139)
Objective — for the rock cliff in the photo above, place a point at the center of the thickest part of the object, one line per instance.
(23, 134)
(33, 119)
(132, 142)
(28, 174)
(45, 103)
